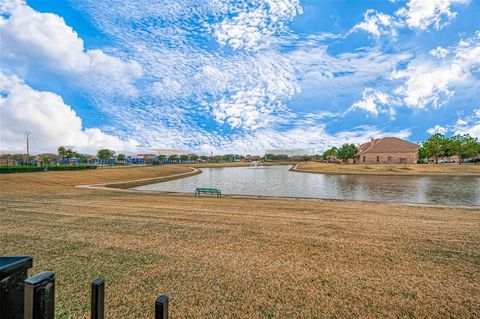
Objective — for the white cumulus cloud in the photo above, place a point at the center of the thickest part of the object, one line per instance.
(51, 121)
(421, 14)
(437, 129)
(374, 102)
(431, 83)
(43, 41)
(377, 24)
(416, 15)
(439, 52)
(469, 124)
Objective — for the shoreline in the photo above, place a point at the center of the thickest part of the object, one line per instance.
(130, 184)
(385, 173)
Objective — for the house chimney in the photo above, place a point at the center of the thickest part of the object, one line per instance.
(372, 142)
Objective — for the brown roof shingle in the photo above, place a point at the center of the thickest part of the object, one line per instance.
(388, 145)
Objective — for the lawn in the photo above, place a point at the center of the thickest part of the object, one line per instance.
(239, 258)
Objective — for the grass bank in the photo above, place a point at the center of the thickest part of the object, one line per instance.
(390, 169)
(31, 168)
(239, 258)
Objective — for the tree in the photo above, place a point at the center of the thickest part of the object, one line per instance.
(184, 158)
(173, 158)
(161, 158)
(464, 146)
(105, 154)
(305, 158)
(69, 153)
(269, 157)
(45, 160)
(62, 152)
(228, 158)
(347, 151)
(436, 146)
(65, 152)
(422, 153)
(330, 152)
(194, 157)
(121, 157)
(82, 158)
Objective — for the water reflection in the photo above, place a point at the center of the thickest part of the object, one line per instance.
(278, 181)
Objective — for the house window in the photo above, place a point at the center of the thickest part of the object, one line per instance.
(378, 158)
(364, 158)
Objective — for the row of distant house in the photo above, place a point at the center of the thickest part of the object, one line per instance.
(93, 160)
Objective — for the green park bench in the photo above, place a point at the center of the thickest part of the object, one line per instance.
(212, 191)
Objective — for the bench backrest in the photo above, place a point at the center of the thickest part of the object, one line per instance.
(211, 190)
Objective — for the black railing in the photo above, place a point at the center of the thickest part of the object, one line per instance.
(34, 297)
(13, 271)
(39, 300)
(98, 299)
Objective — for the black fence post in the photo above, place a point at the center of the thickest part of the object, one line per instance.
(13, 272)
(40, 296)
(161, 307)
(98, 299)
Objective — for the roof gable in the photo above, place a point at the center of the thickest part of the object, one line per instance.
(389, 145)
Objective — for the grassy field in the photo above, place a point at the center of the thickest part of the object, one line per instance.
(390, 169)
(239, 258)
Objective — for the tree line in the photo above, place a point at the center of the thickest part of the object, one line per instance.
(345, 152)
(436, 146)
(463, 146)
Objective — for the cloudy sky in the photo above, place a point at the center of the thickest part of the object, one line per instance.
(235, 76)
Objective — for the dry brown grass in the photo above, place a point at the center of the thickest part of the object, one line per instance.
(240, 258)
(390, 169)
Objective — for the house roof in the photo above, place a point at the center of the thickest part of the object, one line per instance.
(388, 145)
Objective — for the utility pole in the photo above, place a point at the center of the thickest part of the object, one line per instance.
(27, 134)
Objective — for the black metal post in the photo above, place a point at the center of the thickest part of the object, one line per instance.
(40, 296)
(13, 271)
(161, 307)
(98, 299)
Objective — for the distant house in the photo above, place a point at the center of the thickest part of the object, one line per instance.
(387, 150)
(332, 159)
(250, 158)
(444, 159)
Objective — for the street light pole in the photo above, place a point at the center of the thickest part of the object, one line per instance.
(27, 134)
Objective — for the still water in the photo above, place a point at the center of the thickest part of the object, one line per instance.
(279, 181)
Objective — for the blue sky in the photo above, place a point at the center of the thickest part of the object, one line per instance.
(236, 76)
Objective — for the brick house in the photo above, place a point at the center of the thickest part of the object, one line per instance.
(387, 150)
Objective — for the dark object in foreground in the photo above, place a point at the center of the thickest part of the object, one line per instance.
(34, 298)
(161, 307)
(13, 271)
(98, 299)
(40, 296)
(213, 191)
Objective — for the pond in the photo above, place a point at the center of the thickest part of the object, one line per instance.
(279, 181)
